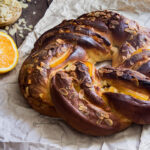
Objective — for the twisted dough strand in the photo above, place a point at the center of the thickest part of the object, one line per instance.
(59, 77)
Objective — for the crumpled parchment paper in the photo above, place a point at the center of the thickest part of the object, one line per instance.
(21, 128)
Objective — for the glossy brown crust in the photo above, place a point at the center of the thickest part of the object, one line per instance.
(136, 110)
(144, 68)
(35, 81)
(57, 81)
(127, 76)
(136, 59)
(87, 115)
(87, 85)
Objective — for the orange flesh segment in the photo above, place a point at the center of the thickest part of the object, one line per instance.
(7, 53)
(60, 59)
(139, 51)
(129, 92)
(135, 94)
(90, 67)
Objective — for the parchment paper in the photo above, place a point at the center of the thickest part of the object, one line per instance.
(21, 128)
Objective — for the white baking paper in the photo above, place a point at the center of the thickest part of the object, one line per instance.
(22, 128)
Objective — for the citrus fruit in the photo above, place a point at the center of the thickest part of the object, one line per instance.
(8, 53)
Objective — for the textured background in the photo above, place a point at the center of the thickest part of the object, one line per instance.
(23, 128)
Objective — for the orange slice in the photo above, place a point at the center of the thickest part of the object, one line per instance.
(139, 51)
(60, 59)
(8, 53)
(135, 94)
(90, 66)
(129, 92)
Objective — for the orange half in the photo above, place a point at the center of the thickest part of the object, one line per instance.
(8, 53)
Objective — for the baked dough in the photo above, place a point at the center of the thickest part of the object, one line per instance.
(59, 77)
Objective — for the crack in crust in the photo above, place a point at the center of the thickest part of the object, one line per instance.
(59, 78)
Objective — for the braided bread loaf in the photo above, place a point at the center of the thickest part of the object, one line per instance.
(59, 78)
